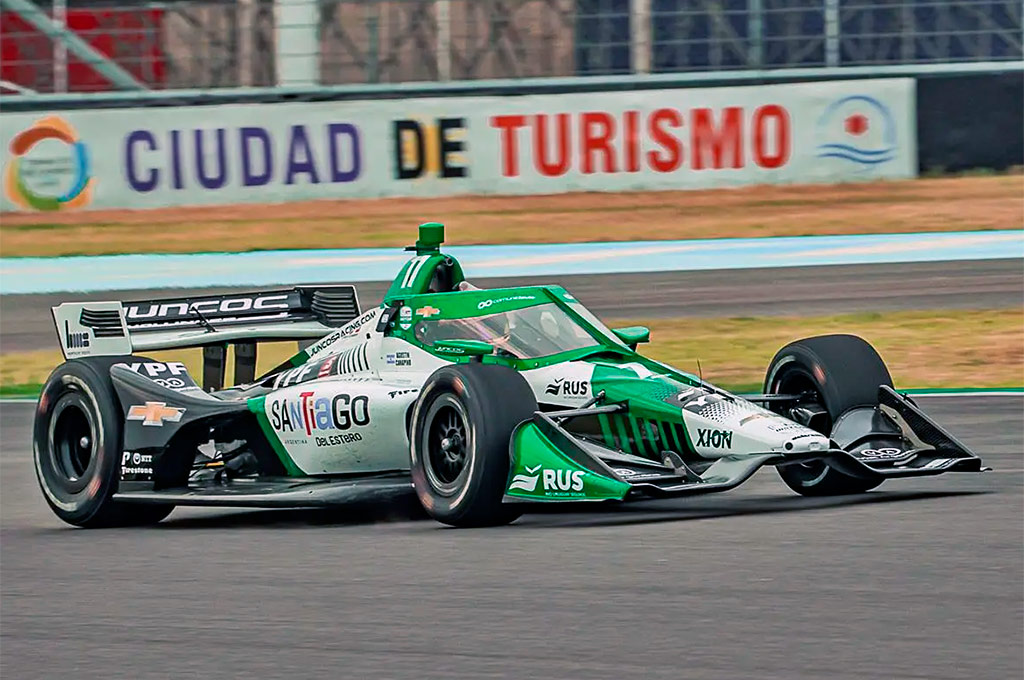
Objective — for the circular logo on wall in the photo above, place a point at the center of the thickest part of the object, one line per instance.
(858, 129)
(48, 168)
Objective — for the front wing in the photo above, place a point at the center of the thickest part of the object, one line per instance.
(550, 463)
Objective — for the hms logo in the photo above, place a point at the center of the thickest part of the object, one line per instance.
(154, 413)
(75, 340)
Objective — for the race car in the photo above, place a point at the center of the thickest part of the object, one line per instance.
(482, 402)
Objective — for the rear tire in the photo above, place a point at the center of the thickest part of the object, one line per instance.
(845, 372)
(77, 444)
(461, 427)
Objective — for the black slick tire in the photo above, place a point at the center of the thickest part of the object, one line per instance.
(845, 372)
(77, 444)
(459, 452)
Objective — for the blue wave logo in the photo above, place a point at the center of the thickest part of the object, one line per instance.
(859, 129)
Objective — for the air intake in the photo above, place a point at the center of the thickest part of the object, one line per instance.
(335, 307)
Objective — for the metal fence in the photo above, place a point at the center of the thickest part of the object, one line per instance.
(231, 43)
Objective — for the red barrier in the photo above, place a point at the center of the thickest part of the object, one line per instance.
(131, 37)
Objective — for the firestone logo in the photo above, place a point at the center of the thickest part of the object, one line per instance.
(48, 167)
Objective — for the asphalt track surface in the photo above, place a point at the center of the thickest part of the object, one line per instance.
(918, 579)
(26, 324)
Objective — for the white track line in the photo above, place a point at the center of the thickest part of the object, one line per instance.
(993, 393)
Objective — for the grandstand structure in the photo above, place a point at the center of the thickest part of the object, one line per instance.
(85, 46)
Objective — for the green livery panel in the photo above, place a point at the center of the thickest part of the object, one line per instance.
(540, 472)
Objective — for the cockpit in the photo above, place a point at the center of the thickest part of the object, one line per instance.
(525, 333)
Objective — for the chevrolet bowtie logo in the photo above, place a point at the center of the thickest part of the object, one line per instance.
(428, 311)
(155, 413)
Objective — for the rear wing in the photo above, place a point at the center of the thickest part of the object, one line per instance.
(208, 321)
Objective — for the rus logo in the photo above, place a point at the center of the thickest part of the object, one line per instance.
(563, 480)
(568, 388)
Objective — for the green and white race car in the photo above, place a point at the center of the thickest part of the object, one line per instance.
(482, 401)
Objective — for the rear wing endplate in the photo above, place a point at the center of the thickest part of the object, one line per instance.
(208, 321)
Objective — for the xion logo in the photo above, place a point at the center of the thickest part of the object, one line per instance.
(568, 388)
(218, 307)
(308, 414)
(75, 340)
(717, 439)
(154, 413)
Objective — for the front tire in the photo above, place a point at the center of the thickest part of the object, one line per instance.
(77, 443)
(844, 372)
(461, 427)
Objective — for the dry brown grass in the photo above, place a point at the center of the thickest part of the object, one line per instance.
(928, 348)
(945, 204)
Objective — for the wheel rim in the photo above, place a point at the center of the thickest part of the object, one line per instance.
(72, 441)
(446, 445)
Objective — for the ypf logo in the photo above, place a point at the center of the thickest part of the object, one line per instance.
(857, 129)
(48, 168)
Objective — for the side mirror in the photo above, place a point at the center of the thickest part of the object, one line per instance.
(633, 335)
(463, 348)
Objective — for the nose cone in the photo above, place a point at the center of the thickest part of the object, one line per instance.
(806, 443)
(779, 434)
(721, 425)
